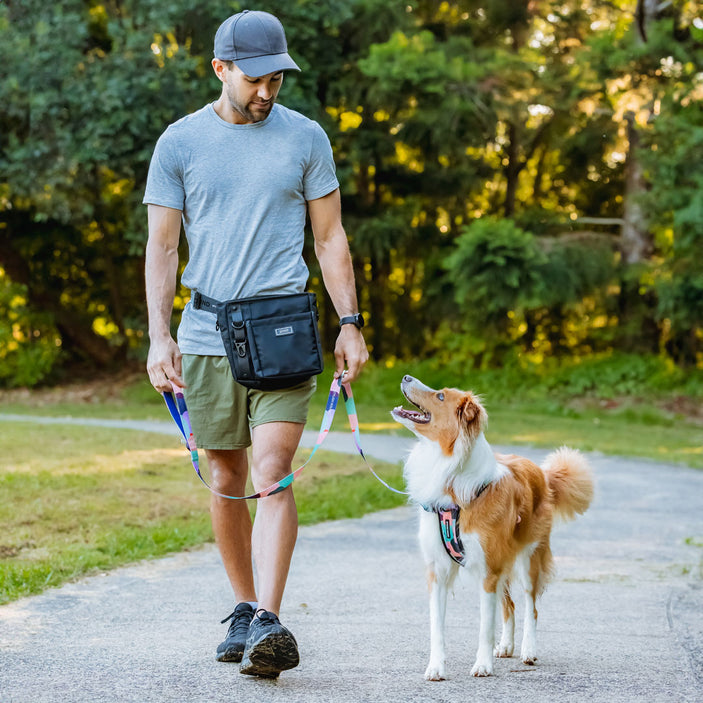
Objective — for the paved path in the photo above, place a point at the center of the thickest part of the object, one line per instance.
(623, 620)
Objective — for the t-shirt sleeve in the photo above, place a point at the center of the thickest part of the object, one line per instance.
(320, 176)
(164, 183)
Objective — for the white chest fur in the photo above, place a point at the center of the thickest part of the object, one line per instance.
(430, 474)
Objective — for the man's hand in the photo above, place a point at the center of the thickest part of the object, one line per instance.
(350, 348)
(164, 365)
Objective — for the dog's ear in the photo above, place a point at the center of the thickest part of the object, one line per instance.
(468, 411)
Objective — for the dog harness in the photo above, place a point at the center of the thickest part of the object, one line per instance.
(448, 519)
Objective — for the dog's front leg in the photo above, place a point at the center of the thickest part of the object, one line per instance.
(438, 608)
(486, 636)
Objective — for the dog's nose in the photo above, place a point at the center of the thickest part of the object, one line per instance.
(407, 378)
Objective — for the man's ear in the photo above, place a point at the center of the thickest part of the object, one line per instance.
(220, 68)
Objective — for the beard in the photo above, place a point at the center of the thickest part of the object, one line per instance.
(250, 111)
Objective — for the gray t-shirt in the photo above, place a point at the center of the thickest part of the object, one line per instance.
(242, 190)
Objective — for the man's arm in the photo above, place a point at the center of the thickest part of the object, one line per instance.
(164, 359)
(332, 250)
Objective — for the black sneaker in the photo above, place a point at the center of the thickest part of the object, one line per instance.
(232, 648)
(271, 648)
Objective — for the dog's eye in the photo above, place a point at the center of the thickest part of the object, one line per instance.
(440, 396)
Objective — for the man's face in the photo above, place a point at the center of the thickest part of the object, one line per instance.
(251, 98)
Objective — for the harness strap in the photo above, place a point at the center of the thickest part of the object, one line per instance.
(451, 537)
(176, 404)
(448, 519)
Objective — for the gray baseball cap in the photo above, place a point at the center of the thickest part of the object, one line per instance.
(256, 42)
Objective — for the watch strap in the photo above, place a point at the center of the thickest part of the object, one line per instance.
(357, 320)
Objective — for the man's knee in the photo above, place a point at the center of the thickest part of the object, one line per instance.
(266, 470)
(229, 469)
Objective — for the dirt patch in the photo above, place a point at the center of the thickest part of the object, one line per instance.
(96, 390)
(689, 408)
(10, 551)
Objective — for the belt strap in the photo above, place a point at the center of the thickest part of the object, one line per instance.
(176, 404)
(203, 302)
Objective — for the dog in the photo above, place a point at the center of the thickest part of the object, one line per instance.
(503, 508)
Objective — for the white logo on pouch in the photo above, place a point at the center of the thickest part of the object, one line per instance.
(282, 331)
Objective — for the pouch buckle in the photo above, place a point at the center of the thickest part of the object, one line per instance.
(241, 348)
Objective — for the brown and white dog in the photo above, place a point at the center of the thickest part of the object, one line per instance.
(506, 506)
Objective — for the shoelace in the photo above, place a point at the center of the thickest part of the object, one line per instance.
(265, 616)
(240, 622)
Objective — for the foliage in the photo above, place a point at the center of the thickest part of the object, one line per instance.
(495, 268)
(508, 282)
(28, 342)
(441, 115)
(73, 503)
(675, 205)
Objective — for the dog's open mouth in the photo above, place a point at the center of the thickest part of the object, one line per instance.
(419, 416)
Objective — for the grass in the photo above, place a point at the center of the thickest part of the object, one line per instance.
(523, 412)
(75, 501)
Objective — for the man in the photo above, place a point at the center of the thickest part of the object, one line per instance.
(240, 174)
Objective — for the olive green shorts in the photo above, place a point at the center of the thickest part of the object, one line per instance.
(222, 412)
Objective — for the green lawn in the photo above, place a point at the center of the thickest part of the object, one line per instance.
(76, 500)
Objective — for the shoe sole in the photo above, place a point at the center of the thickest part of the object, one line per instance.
(270, 656)
(230, 656)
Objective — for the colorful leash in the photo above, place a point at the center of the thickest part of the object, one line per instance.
(354, 426)
(176, 404)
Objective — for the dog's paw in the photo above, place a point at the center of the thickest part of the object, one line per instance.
(503, 651)
(528, 655)
(482, 669)
(435, 673)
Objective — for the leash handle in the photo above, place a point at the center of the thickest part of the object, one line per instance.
(176, 404)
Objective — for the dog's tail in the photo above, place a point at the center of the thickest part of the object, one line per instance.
(570, 479)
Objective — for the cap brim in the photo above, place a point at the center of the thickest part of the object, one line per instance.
(263, 65)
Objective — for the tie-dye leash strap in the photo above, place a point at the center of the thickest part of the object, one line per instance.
(354, 425)
(176, 404)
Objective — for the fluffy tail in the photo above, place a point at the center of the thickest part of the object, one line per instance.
(570, 479)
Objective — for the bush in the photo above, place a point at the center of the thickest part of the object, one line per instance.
(29, 344)
(543, 294)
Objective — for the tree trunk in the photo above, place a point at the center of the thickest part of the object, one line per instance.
(635, 239)
(511, 171)
(377, 305)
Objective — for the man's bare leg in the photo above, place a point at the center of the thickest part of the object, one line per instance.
(276, 523)
(231, 521)
(270, 647)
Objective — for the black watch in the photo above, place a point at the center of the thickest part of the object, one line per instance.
(356, 320)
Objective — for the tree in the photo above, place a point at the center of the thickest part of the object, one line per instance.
(550, 115)
(90, 88)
